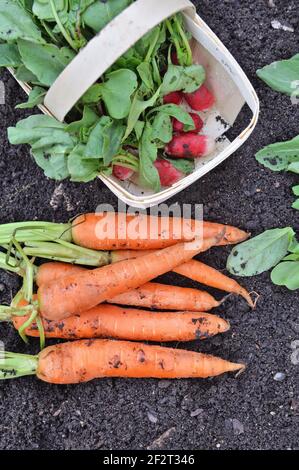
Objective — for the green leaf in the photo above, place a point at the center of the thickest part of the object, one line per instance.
(46, 61)
(117, 91)
(80, 168)
(291, 257)
(139, 126)
(187, 79)
(278, 156)
(93, 94)
(260, 253)
(101, 13)
(148, 152)
(43, 10)
(56, 137)
(137, 108)
(177, 112)
(25, 75)
(295, 190)
(286, 274)
(162, 128)
(33, 128)
(94, 147)
(295, 204)
(36, 97)
(53, 163)
(294, 167)
(282, 75)
(16, 23)
(9, 56)
(88, 119)
(112, 137)
(145, 72)
(182, 164)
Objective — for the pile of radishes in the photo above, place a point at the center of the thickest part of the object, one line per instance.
(186, 145)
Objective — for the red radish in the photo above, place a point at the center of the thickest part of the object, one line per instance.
(122, 173)
(179, 126)
(190, 145)
(174, 97)
(174, 58)
(167, 172)
(201, 99)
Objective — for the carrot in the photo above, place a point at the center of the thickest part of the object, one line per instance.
(84, 360)
(164, 297)
(150, 295)
(208, 276)
(75, 293)
(116, 232)
(110, 231)
(195, 270)
(110, 321)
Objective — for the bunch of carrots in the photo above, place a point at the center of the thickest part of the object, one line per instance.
(92, 306)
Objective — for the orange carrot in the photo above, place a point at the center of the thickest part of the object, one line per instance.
(165, 297)
(76, 293)
(84, 360)
(109, 321)
(208, 276)
(110, 231)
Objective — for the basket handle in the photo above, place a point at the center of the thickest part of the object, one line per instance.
(110, 44)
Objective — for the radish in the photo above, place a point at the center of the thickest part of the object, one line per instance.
(190, 145)
(201, 99)
(122, 173)
(174, 58)
(175, 97)
(167, 172)
(179, 126)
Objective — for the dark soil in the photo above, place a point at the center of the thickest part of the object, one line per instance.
(252, 411)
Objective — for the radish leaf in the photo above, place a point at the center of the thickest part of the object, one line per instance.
(260, 253)
(282, 75)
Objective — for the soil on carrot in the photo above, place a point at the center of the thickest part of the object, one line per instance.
(256, 410)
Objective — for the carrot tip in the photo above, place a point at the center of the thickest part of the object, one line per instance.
(257, 296)
(242, 369)
(225, 298)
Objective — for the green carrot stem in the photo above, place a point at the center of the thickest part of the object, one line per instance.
(34, 231)
(29, 272)
(14, 365)
(40, 326)
(67, 252)
(10, 265)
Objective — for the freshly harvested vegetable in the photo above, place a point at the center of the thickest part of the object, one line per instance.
(76, 293)
(117, 125)
(204, 274)
(153, 295)
(168, 173)
(84, 360)
(175, 97)
(178, 126)
(260, 253)
(164, 297)
(190, 145)
(90, 231)
(201, 99)
(110, 321)
(110, 231)
(122, 173)
(282, 75)
(282, 156)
